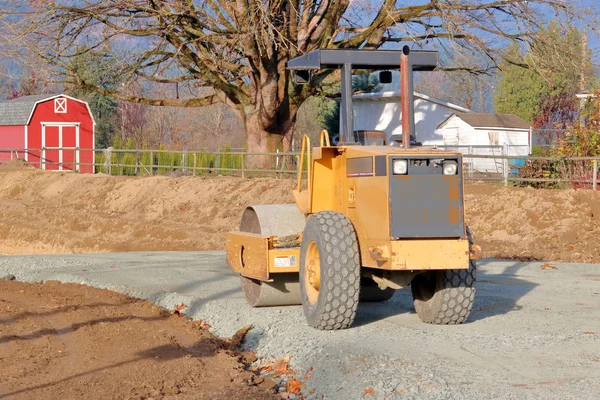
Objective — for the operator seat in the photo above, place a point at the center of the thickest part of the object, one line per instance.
(370, 138)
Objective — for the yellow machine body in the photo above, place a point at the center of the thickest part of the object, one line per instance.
(357, 182)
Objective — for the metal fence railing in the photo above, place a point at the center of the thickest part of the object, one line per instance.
(494, 155)
(547, 172)
(157, 162)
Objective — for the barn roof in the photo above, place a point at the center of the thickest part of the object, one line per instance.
(18, 111)
(487, 120)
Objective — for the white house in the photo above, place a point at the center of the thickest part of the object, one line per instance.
(487, 134)
(382, 111)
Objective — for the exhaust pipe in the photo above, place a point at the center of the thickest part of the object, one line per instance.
(408, 102)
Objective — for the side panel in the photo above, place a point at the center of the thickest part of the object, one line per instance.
(326, 182)
(247, 254)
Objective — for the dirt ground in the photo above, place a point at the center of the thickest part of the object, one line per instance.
(45, 212)
(67, 341)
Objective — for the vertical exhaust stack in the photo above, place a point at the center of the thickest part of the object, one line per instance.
(408, 102)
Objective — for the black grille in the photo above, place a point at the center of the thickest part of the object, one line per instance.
(426, 204)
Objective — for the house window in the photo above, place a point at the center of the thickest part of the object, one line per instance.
(494, 138)
(60, 106)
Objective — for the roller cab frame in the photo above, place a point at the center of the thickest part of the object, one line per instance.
(369, 218)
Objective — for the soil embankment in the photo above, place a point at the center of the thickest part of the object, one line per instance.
(45, 212)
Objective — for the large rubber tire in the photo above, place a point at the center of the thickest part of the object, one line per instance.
(370, 292)
(445, 297)
(329, 240)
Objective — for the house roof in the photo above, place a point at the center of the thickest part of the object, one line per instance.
(487, 120)
(396, 93)
(19, 111)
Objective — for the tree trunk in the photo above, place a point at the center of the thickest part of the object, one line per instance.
(257, 138)
(260, 139)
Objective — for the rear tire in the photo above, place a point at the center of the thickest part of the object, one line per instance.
(329, 271)
(445, 297)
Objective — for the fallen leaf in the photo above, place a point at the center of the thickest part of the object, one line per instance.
(311, 391)
(369, 391)
(294, 386)
(284, 369)
(112, 266)
(178, 309)
(589, 333)
(203, 324)
(84, 270)
(548, 266)
(548, 309)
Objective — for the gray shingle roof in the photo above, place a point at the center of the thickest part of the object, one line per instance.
(485, 120)
(17, 111)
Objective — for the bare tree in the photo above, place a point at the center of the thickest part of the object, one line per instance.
(240, 47)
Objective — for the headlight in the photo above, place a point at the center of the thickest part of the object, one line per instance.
(450, 167)
(400, 167)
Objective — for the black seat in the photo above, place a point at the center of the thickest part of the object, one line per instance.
(370, 138)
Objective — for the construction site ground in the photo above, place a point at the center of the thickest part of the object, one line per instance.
(533, 332)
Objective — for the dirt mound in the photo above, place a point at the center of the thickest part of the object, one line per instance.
(15, 164)
(66, 341)
(525, 223)
(53, 212)
(45, 212)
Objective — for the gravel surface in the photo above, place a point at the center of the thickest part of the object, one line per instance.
(533, 333)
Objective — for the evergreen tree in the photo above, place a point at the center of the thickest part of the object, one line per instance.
(94, 68)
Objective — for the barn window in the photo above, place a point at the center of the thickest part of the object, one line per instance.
(60, 106)
(494, 138)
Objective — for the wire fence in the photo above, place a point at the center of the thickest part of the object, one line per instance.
(507, 166)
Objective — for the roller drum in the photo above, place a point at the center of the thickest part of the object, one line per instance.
(272, 220)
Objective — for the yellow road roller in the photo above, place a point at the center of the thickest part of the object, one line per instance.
(373, 215)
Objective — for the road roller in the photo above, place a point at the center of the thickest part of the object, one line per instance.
(372, 214)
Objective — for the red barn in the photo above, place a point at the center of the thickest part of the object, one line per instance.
(53, 132)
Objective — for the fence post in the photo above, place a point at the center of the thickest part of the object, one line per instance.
(243, 173)
(506, 172)
(218, 161)
(151, 163)
(195, 165)
(277, 165)
(74, 159)
(595, 175)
